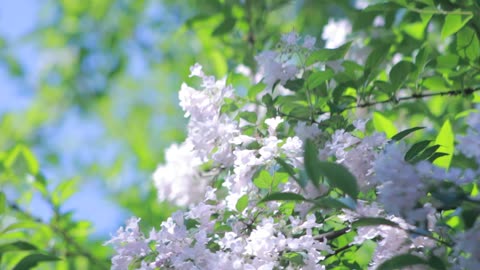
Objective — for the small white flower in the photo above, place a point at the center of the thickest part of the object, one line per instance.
(335, 33)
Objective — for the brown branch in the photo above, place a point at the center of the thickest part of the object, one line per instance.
(393, 99)
(466, 92)
(332, 234)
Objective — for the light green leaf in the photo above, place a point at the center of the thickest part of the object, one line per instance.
(3, 202)
(435, 83)
(445, 139)
(255, 90)
(64, 191)
(468, 45)
(319, 77)
(453, 23)
(263, 180)
(16, 246)
(325, 55)
(383, 124)
(22, 160)
(225, 26)
(242, 203)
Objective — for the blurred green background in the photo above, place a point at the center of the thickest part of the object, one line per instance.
(89, 88)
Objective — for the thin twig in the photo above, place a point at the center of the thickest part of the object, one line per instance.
(467, 91)
(332, 234)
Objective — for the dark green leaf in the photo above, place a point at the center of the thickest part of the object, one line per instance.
(225, 26)
(334, 203)
(400, 72)
(416, 149)
(402, 134)
(426, 153)
(437, 155)
(16, 246)
(436, 263)
(376, 57)
(338, 176)
(311, 162)
(32, 260)
(294, 85)
(373, 221)
(283, 196)
(401, 261)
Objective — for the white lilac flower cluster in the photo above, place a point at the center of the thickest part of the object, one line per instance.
(278, 66)
(228, 227)
(180, 245)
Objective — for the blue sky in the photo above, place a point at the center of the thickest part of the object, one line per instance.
(18, 18)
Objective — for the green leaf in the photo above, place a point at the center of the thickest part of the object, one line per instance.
(242, 203)
(427, 153)
(279, 177)
(435, 83)
(22, 160)
(248, 116)
(468, 45)
(376, 57)
(283, 196)
(319, 77)
(436, 263)
(416, 29)
(294, 85)
(338, 176)
(436, 155)
(263, 180)
(255, 90)
(311, 162)
(401, 261)
(325, 55)
(225, 26)
(416, 149)
(32, 260)
(334, 203)
(446, 140)
(453, 23)
(383, 124)
(16, 246)
(64, 191)
(373, 221)
(3, 202)
(400, 72)
(294, 258)
(402, 134)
